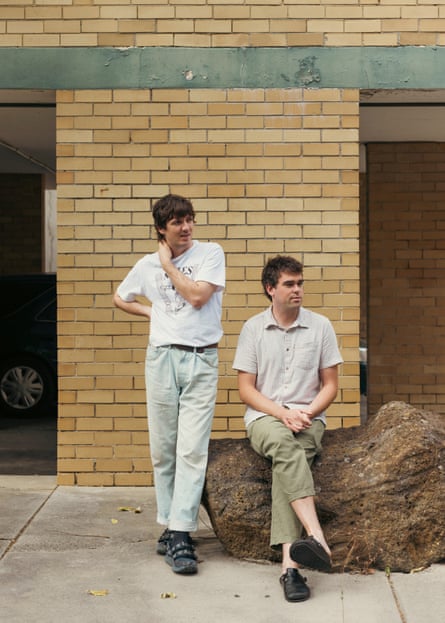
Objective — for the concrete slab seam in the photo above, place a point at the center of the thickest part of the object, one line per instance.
(25, 526)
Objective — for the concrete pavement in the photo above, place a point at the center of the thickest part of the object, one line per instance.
(71, 555)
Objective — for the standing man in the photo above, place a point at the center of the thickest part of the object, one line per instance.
(184, 282)
(287, 360)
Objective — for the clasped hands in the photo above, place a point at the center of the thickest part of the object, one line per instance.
(296, 419)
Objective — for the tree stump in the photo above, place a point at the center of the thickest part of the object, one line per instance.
(380, 493)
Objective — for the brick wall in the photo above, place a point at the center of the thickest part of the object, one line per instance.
(20, 224)
(406, 279)
(33, 23)
(269, 171)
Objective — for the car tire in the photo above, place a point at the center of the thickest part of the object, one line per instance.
(27, 387)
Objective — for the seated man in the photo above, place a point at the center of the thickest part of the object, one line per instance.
(287, 360)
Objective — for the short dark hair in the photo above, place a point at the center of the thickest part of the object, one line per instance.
(277, 265)
(168, 207)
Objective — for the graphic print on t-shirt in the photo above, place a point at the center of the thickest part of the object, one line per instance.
(173, 301)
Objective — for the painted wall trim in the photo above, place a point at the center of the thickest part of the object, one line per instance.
(167, 67)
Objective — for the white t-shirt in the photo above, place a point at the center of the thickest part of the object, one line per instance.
(173, 319)
(286, 361)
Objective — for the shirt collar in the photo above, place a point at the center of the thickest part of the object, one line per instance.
(301, 321)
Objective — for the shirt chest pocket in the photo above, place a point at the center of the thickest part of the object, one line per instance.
(305, 356)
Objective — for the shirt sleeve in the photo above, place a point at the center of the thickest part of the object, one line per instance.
(330, 354)
(246, 359)
(212, 269)
(131, 286)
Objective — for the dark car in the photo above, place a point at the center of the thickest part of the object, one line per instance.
(28, 345)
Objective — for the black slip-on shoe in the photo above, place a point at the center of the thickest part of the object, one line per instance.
(310, 553)
(294, 586)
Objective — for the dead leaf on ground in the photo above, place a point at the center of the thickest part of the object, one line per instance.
(418, 569)
(130, 509)
(101, 593)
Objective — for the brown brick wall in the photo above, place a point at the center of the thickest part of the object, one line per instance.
(20, 224)
(269, 171)
(406, 214)
(31, 23)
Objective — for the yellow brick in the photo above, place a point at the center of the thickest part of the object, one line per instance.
(66, 480)
(43, 40)
(324, 25)
(305, 39)
(11, 40)
(75, 438)
(140, 438)
(82, 40)
(15, 13)
(132, 451)
(75, 465)
(365, 25)
(250, 26)
(96, 396)
(229, 40)
(112, 438)
(31, 26)
(95, 479)
(79, 12)
(409, 24)
(162, 12)
(348, 39)
(142, 465)
(132, 422)
(215, 26)
(113, 465)
(418, 38)
(115, 40)
(57, 26)
(164, 39)
(94, 424)
(67, 452)
(93, 452)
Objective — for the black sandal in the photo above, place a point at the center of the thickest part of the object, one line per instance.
(162, 544)
(181, 556)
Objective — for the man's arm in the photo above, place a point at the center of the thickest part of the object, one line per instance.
(134, 307)
(328, 391)
(197, 293)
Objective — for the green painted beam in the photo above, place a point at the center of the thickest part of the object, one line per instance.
(315, 67)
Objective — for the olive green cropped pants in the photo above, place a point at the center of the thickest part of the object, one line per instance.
(291, 456)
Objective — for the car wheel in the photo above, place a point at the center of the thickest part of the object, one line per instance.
(27, 387)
